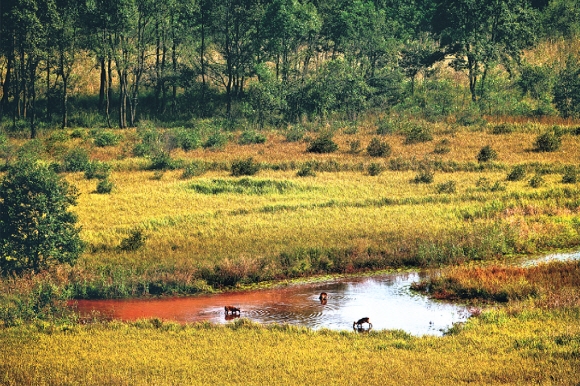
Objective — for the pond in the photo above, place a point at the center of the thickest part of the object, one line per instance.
(386, 300)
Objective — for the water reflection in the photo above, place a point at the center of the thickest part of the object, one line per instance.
(386, 300)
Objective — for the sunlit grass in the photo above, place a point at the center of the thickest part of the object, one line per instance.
(536, 347)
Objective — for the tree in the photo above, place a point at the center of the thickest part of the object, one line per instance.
(480, 33)
(567, 89)
(36, 228)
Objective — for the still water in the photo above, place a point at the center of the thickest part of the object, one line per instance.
(387, 300)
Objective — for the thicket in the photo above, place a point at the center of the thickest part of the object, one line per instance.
(176, 61)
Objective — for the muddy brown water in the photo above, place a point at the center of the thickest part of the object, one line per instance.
(387, 300)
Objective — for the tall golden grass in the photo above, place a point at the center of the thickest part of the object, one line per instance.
(537, 347)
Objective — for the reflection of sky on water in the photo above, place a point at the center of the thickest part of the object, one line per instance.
(553, 257)
(386, 300)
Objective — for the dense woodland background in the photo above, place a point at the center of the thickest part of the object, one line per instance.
(111, 63)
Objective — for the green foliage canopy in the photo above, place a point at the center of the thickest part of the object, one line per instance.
(36, 228)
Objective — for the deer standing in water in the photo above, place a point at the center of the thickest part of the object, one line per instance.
(232, 309)
(358, 324)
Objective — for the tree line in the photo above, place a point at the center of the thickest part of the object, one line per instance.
(269, 60)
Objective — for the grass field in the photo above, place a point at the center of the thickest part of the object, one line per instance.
(210, 230)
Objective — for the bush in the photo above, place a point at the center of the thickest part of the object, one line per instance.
(187, 139)
(377, 148)
(418, 134)
(503, 128)
(295, 134)
(442, 147)
(98, 170)
(424, 176)
(135, 241)
(354, 146)
(486, 154)
(250, 137)
(106, 138)
(105, 186)
(323, 144)
(536, 181)
(307, 170)
(76, 160)
(217, 140)
(570, 175)
(246, 167)
(194, 169)
(374, 169)
(547, 142)
(161, 160)
(517, 173)
(446, 187)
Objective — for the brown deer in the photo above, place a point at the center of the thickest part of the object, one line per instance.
(232, 309)
(358, 324)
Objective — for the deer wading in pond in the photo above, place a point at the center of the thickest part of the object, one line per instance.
(232, 309)
(359, 323)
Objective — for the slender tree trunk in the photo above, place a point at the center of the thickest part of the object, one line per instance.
(6, 85)
(103, 83)
(33, 66)
(109, 91)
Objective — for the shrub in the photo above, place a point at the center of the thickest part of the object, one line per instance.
(245, 167)
(503, 128)
(442, 147)
(187, 139)
(536, 181)
(377, 148)
(98, 170)
(547, 142)
(76, 160)
(575, 130)
(374, 169)
(135, 241)
(217, 140)
(354, 146)
(323, 144)
(250, 137)
(486, 154)
(424, 176)
(77, 133)
(446, 187)
(106, 138)
(295, 134)
(517, 173)
(105, 186)
(161, 160)
(306, 171)
(387, 126)
(194, 169)
(418, 134)
(570, 175)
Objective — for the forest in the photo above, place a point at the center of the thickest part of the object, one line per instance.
(105, 63)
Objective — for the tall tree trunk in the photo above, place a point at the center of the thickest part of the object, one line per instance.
(102, 83)
(33, 64)
(6, 86)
